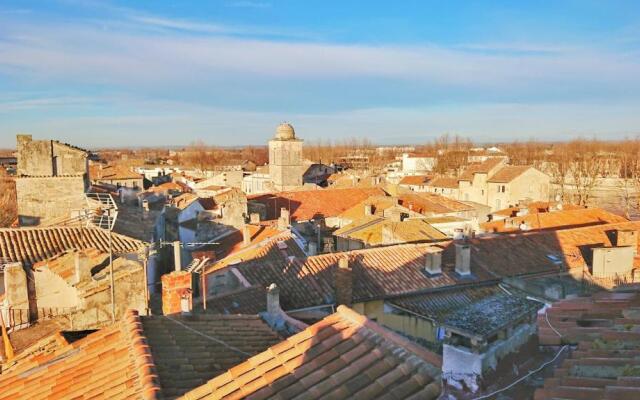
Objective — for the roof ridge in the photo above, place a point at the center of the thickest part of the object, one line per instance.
(141, 353)
(361, 320)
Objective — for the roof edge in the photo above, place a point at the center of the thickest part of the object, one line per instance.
(141, 353)
(358, 319)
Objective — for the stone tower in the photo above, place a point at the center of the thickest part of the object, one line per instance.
(285, 158)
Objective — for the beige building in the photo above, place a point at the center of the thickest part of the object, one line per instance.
(498, 185)
(285, 159)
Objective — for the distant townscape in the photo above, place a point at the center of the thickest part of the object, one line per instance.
(317, 270)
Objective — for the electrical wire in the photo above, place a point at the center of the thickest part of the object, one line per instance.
(213, 339)
(535, 371)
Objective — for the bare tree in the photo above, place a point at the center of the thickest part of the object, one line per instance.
(8, 206)
(585, 168)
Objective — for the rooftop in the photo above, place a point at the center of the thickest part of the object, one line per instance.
(561, 219)
(371, 231)
(415, 180)
(309, 204)
(344, 356)
(444, 182)
(488, 315)
(606, 330)
(186, 357)
(30, 245)
(112, 172)
(508, 173)
(429, 203)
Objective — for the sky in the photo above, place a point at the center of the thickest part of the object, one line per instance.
(168, 73)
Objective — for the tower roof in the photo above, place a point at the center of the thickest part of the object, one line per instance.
(285, 131)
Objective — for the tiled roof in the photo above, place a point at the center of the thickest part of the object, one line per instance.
(437, 304)
(605, 364)
(234, 242)
(309, 204)
(415, 180)
(265, 249)
(344, 356)
(444, 182)
(377, 272)
(429, 203)
(484, 167)
(112, 363)
(63, 264)
(251, 300)
(369, 231)
(188, 350)
(488, 315)
(554, 220)
(508, 173)
(111, 172)
(378, 205)
(183, 201)
(30, 245)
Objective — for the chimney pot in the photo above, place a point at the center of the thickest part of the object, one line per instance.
(273, 299)
(344, 282)
(246, 235)
(368, 209)
(177, 256)
(433, 262)
(463, 258)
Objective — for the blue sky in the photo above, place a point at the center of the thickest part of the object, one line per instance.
(116, 73)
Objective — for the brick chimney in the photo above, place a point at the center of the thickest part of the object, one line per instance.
(463, 258)
(344, 282)
(82, 266)
(273, 299)
(433, 262)
(177, 292)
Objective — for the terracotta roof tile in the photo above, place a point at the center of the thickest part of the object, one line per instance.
(30, 245)
(415, 180)
(370, 231)
(112, 363)
(444, 182)
(310, 204)
(484, 167)
(429, 203)
(605, 328)
(186, 356)
(111, 172)
(561, 219)
(339, 357)
(508, 173)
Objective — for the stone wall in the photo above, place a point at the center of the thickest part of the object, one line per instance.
(285, 163)
(49, 158)
(43, 199)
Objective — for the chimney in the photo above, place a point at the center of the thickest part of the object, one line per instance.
(313, 248)
(433, 262)
(273, 299)
(82, 267)
(177, 256)
(283, 221)
(145, 205)
(15, 286)
(185, 301)
(368, 209)
(344, 282)
(463, 258)
(626, 237)
(254, 218)
(246, 235)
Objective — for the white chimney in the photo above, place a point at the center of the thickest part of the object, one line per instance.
(254, 218)
(368, 209)
(273, 299)
(433, 263)
(177, 259)
(463, 258)
(313, 248)
(82, 267)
